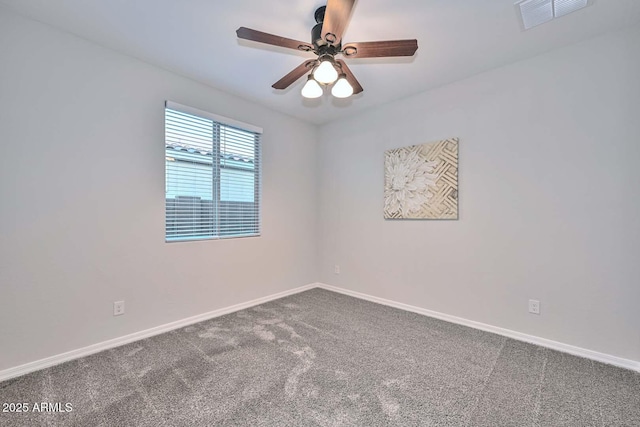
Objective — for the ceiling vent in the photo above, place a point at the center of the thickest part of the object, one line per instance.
(536, 12)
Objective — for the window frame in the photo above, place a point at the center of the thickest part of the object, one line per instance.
(216, 169)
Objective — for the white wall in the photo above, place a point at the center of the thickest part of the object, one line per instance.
(549, 201)
(82, 199)
(549, 198)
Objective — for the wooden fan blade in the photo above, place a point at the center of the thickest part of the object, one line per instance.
(380, 49)
(259, 36)
(294, 75)
(350, 77)
(336, 19)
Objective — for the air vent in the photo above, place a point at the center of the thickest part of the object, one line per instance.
(563, 7)
(536, 12)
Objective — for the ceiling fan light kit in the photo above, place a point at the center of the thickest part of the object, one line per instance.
(326, 72)
(311, 88)
(342, 88)
(326, 43)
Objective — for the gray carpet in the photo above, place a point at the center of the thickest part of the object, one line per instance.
(323, 359)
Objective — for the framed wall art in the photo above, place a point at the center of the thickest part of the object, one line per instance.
(421, 181)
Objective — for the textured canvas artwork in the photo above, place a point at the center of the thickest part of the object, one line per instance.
(421, 181)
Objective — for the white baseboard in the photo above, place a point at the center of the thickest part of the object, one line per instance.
(117, 342)
(543, 342)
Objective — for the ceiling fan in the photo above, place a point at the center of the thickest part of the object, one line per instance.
(326, 43)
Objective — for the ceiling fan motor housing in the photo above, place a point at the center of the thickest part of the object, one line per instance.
(319, 15)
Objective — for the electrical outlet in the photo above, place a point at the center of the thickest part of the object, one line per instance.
(118, 308)
(534, 306)
(336, 269)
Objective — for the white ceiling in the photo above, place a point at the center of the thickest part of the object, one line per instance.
(196, 38)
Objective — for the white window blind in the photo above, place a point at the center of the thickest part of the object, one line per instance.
(212, 171)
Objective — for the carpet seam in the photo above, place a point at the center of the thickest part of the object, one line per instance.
(593, 371)
(47, 392)
(202, 354)
(486, 381)
(543, 373)
(139, 388)
(91, 391)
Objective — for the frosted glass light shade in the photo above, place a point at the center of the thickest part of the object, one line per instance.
(325, 73)
(311, 88)
(342, 88)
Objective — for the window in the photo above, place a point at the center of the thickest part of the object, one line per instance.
(212, 170)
